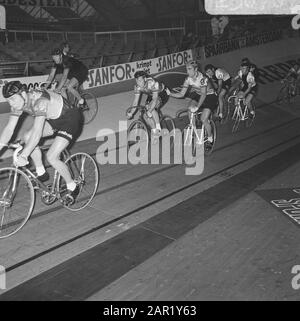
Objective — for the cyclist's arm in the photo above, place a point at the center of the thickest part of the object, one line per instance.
(183, 91)
(203, 93)
(220, 82)
(35, 137)
(8, 131)
(63, 79)
(51, 75)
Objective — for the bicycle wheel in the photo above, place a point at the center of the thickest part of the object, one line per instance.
(138, 132)
(226, 113)
(90, 108)
(249, 121)
(85, 173)
(282, 95)
(17, 199)
(208, 148)
(189, 139)
(168, 128)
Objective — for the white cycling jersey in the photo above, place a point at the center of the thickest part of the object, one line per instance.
(222, 74)
(198, 82)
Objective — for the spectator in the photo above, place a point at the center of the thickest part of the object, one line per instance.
(215, 27)
(223, 22)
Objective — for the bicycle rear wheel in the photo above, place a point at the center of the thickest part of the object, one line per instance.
(168, 128)
(85, 173)
(90, 108)
(17, 199)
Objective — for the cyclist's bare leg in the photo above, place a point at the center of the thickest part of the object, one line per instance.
(248, 102)
(36, 155)
(205, 121)
(221, 100)
(192, 104)
(53, 157)
(72, 86)
(156, 118)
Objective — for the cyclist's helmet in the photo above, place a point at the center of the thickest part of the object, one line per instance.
(11, 88)
(140, 73)
(56, 52)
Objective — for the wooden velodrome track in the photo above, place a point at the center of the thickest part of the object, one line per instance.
(154, 233)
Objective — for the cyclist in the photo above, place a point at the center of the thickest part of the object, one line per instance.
(52, 115)
(224, 83)
(73, 71)
(249, 87)
(252, 66)
(293, 76)
(201, 94)
(157, 98)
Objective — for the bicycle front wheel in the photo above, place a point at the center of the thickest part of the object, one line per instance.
(17, 200)
(168, 128)
(90, 108)
(138, 133)
(85, 173)
(208, 147)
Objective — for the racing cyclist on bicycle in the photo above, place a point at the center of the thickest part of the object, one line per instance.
(157, 98)
(249, 87)
(73, 71)
(201, 94)
(293, 76)
(224, 83)
(52, 115)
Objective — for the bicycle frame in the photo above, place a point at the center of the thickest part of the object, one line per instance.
(192, 128)
(238, 111)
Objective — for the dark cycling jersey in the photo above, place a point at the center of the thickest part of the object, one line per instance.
(64, 118)
(76, 68)
(153, 86)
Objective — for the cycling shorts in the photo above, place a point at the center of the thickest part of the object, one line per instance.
(226, 84)
(68, 125)
(210, 102)
(161, 101)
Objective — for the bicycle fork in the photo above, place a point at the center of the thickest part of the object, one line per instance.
(192, 129)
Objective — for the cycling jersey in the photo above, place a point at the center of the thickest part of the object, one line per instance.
(151, 86)
(222, 74)
(248, 79)
(61, 115)
(294, 73)
(199, 82)
(76, 68)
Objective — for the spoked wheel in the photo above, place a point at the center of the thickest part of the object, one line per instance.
(85, 173)
(168, 128)
(226, 112)
(17, 199)
(208, 147)
(90, 108)
(249, 121)
(138, 133)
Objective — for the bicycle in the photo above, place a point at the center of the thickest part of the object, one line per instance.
(89, 108)
(285, 92)
(19, 186)
(141, 128)
(192, 137)
(241, 112)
